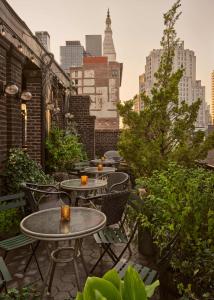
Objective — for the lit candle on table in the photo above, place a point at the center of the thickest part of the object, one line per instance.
(100, 167)
(84, 180)
(65, 213)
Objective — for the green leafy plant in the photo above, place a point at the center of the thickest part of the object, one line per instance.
(111, 287)
(183, 197)
(26, 293)
(9, 222)
(21, 168)
(164, 129)
(63, 150)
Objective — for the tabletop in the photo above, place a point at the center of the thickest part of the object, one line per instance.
(105, 162)
(75, 184)
(94, 170)
(47, 225)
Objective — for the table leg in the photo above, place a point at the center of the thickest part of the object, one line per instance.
(76, 272)
(81, 256)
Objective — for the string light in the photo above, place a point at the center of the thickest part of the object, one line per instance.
(20, 48)
(3, 32)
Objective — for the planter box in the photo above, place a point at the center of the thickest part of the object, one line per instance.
(146, 247)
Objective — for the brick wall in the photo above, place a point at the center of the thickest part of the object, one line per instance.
(34, 113)
(105, 140)
(3, 113)
(79, 107)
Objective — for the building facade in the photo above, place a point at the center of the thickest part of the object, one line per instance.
(71, 55)
(44, 38)
(100, 78)
(190, 89)
(93, 45)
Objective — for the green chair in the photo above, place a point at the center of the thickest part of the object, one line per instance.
(17, 201)
(5, 275)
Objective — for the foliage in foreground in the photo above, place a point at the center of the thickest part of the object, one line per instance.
(164, 130)
(111, 287)
(26, 293)
(183, 197)
(21, 168)
(63, 150)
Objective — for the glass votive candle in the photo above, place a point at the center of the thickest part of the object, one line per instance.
(84, 179)
(100, 167)
(65, 213)
(64, 227)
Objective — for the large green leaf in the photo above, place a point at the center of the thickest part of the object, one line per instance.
(79, 296)
(98, 296)
(151, 288)
(134, 288)
(113, 277)
(103, 286)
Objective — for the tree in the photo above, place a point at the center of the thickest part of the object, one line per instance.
(164, 130)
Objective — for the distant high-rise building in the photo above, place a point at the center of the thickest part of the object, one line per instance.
(71, 55)
(100, 77)
(93, 44)
(44, 38)
(190, 89)
(212, 97)
(108, 44)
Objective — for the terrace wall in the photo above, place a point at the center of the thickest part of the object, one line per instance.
(106, 140)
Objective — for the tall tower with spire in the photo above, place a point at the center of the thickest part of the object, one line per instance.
(108, 44)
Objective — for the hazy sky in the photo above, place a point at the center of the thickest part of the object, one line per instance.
(137, 29)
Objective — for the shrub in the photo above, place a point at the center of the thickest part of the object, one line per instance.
(63, 150)
(183, 197)
(21, 168)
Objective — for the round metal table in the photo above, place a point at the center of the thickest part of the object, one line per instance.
(47, 225)
(95, 171)
(75, 184)
(105, 162)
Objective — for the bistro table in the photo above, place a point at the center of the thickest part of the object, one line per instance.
(47, 225)
(104, 162)
(78, 189)
(95, 171)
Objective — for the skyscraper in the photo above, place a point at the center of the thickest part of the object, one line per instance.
(212, 97)
(190, 89)
(44, 38)
(108, 44)
(93, 44)
(100, 77)
(71, 55)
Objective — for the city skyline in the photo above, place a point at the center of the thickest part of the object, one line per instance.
(137, 29)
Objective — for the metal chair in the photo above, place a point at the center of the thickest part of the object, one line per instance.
(113, 154)
(17, 201)
(113, 205)
(147, 274)
(5, 275)
(117, 181)
(35, 194)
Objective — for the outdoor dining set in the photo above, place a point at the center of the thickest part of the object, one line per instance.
(92, 204)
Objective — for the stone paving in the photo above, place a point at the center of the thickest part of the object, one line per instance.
(64, 283)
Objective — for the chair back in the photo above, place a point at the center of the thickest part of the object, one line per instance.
(48, 194)
(12, 201)
(117, 181)
(112, 154)
(113, 206)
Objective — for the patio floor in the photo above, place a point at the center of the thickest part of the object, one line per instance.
(64, 283)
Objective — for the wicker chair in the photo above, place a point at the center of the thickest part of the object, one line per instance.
(44, 196)
(112, 154)
(117, 181)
